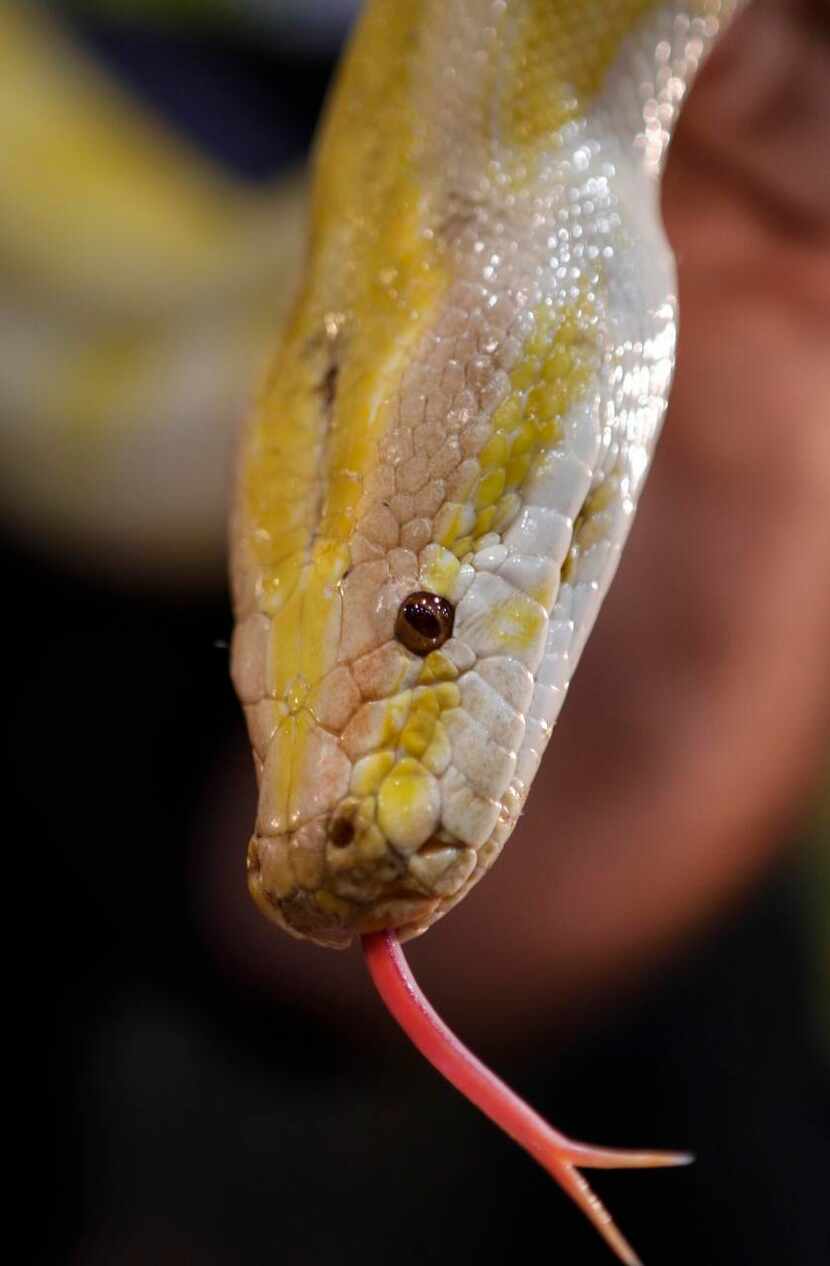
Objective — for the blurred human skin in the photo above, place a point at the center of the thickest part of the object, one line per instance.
(700, 715)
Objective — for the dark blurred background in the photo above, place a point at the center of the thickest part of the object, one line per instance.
(187, 1103)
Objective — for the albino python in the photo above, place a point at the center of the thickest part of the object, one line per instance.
(434, 489)
(438, 479)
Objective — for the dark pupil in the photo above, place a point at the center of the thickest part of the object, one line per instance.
(424, 622)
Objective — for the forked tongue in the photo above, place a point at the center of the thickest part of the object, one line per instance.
(560, 1156)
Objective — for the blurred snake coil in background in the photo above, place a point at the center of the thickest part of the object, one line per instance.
(144, 278)
(142, 288)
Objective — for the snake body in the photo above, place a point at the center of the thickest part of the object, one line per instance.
(465, 405)
(140, 288)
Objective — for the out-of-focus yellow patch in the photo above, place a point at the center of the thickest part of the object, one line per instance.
(101, 384)
(135, 198)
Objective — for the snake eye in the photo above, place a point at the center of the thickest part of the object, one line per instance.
(424, 622)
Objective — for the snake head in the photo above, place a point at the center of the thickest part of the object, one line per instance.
(383, 769)
(397, 573)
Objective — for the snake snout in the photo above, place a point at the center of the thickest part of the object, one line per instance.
(338, 876)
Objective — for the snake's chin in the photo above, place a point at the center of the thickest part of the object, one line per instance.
(294, 887)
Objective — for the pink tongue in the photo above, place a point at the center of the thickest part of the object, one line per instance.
(559, 1155)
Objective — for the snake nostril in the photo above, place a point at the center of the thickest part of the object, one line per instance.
(341, 832)
(424, 622)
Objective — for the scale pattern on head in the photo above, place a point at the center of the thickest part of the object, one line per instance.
(444, 463)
